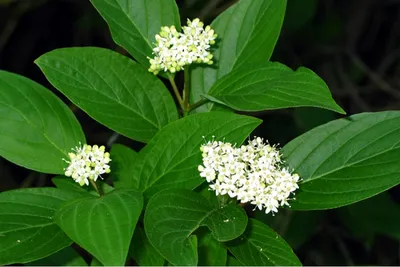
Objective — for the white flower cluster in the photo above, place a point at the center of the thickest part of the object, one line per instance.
(251, 173)
(174, 50)
(88, 162)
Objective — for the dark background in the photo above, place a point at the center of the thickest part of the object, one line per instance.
(353, 45)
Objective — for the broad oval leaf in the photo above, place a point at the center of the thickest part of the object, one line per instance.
(272, 85)
(27, 229)
(261, 246)
(247, 34)
(112, 89)
(37, 128)
(171, 158)
(103, 226)
(172, 216)
(135, 23)
(346, 160)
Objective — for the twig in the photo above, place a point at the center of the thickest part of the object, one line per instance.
(176, 91)
(186, 91)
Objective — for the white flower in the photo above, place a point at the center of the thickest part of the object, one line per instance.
(251, 173)
(174, 50)
(87, 162)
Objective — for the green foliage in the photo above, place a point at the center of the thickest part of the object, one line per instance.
(247, 34)
(112, 89)
(66, 183)
(134, 23)
(210, 251)
(27, 231)
(174, 214)
(123, 158)
(103, 226)
(143, 252)
(346, 160)
(155, 208)
(272, 85)
(65, 257)
(37, 128)
(261, 246)
(173, 164)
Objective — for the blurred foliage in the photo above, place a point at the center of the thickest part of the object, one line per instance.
(354, 47)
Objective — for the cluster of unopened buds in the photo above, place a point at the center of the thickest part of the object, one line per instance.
(174, 50)
(87, 163)
(251, 173)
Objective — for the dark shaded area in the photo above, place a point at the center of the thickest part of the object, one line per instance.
(353, 45)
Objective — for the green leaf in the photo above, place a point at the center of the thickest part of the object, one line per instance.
(112, 89)
(174, 214)
(103, 226)
(27, 229)
(122, 159)
(247, 34)
(272, 85)
(377, 215)
(135, 23)
(37, 129)
(171, 158)
(346, 160)
(142, 250)
(261, 246)
(65, 257)
(211, 252)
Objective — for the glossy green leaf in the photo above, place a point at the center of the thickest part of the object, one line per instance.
(211, 252)
(143, 252)
(135, 23)
(65, 257)
(103, 226)
(27, 229)
(171, 158)
(173, 215)
(272, 85)
(37, 128)
(261, 246)
(377, 215)
(247, 34)
(122, 159)
(346, 160)
(112, 89)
